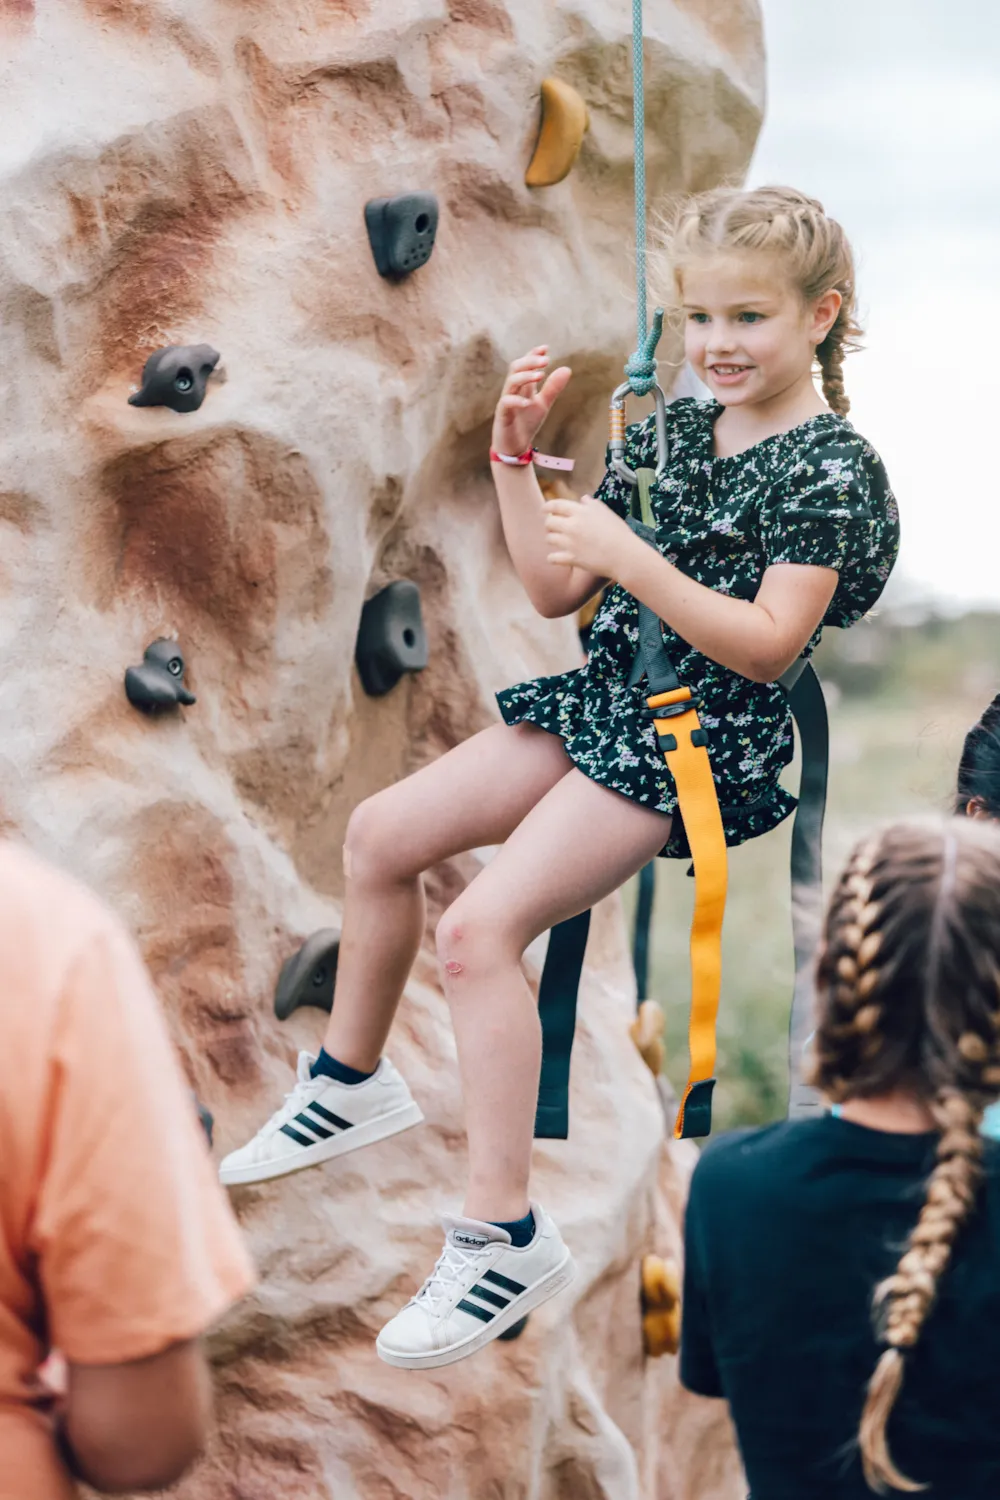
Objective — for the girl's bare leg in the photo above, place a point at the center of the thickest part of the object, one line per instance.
(475, 795)
(576, 845)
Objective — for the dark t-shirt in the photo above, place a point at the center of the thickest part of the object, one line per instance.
(789, 1230)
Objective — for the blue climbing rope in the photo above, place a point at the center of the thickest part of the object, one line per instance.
(640, 367)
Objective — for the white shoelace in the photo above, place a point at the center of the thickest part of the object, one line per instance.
(451, 1272)
(293, 1103)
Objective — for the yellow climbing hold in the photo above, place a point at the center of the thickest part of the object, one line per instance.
(661, 1306)
(647, 1032)
(564, 121)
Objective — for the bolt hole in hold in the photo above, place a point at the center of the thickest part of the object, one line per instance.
(513, 1332)
(176, 376)
(401, 231)
(391, 638)
(158, 683)
(307, 978)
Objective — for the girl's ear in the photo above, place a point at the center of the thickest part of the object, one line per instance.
(976, 808)
(824, 314)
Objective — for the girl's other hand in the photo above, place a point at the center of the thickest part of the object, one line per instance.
(585, 534)
(526, 400)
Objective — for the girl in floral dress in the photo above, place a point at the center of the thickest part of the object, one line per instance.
(773, 517)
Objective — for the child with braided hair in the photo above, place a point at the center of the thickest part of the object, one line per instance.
(772, 518)
(841, 1284)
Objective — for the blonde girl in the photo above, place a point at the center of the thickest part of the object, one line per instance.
(773, 517)
(841, 1276)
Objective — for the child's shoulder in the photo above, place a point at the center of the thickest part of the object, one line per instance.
(828, 448)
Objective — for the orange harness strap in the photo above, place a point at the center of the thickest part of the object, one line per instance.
(685, 749)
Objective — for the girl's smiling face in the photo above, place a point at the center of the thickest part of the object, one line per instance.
(748, 334)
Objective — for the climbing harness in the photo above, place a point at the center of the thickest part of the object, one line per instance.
(684, 743)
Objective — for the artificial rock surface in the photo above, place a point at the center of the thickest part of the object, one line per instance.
(194, 171)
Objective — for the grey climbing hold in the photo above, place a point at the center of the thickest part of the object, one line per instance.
(176, 376)
(401, 231)
(514, 1331)
(159, 682)
(391, 638)
(307, 977)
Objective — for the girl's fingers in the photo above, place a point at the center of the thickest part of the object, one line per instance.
(530, 376)
(513, 403)
(529, 361)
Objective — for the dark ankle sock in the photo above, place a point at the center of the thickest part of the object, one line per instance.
(521, 1231)
(333, 1069)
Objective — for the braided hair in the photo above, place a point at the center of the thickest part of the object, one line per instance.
(779, 222)
(979, 767)
(909, 998)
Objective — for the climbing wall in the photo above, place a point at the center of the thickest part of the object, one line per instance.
(195, 172)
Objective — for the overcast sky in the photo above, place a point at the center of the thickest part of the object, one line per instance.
(889, 111)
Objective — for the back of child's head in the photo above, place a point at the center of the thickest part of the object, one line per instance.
(909, 998)
(979, 767)
(777, 225)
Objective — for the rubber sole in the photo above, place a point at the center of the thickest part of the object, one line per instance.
(558, 1278)
(338, 1145)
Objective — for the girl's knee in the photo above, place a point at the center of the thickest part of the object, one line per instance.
(368, 844)
(472, 942)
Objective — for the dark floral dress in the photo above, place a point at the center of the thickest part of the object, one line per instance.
(818, 495)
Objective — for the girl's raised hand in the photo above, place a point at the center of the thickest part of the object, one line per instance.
(526, 400)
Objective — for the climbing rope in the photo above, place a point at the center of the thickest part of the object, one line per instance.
(641, 366)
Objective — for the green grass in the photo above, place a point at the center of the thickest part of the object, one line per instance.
(903, 697)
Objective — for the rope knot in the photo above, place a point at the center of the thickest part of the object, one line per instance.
(640, 367)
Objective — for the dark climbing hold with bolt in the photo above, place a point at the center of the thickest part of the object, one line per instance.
(391, 638)
(307, 977)
(514, 1331)
(176, 376)
(401, 231)
(159, 682)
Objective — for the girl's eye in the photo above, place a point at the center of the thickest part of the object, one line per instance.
(751, 317)
(697, 317)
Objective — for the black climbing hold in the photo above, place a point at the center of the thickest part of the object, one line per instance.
(176, 377)
(159, 682)
(307, 977)
(205, 1117)
(401, 231)
(391, 638)
(514, 1331)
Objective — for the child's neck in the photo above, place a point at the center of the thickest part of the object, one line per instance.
(740, 427)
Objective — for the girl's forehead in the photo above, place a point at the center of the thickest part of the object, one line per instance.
(729, 279)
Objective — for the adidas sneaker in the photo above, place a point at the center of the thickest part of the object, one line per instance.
(481, 1286)
(321, 1119)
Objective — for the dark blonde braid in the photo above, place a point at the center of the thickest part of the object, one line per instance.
(909, 986)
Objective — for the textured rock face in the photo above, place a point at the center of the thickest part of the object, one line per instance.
(194, 171)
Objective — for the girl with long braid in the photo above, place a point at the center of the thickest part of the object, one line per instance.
(773, 517)
(977, 795)
(841, 1278)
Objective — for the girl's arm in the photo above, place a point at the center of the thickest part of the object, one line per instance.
(553, 590)
(523, 406)
(757, 638)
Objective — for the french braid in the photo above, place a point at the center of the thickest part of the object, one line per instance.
(779, 222)
(909, 989)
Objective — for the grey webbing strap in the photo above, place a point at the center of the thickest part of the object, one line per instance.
(805, 698)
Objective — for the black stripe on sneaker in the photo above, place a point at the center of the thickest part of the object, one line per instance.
(504, 1282)
(303, 1140)
(482, 1313)
(329, 1116)
(304, 1120)
(488, 1296)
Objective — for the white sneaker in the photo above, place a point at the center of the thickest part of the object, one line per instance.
(320, 1119)
(480, 1287)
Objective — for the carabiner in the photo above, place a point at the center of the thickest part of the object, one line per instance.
(617, 415)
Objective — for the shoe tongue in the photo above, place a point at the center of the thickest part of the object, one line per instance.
(306, 1061)
(472, 1234)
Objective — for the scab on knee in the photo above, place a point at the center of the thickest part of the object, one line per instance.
(453, 967)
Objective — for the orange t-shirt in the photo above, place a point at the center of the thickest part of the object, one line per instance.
(115, 1237)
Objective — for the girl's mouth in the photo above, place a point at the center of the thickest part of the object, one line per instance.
(728, 374)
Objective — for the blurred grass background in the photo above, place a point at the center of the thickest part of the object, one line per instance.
(902, 689)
